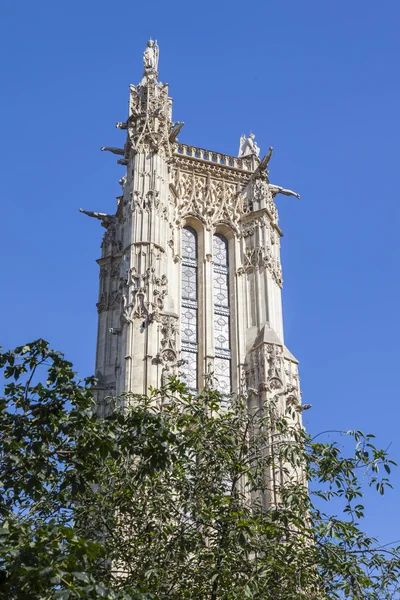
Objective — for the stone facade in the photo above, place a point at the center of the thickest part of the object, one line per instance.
(167, 187)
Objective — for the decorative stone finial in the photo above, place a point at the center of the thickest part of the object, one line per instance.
(150, 58)
(248, 146)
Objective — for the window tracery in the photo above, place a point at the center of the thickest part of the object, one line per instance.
(189, 308)
(222, 363)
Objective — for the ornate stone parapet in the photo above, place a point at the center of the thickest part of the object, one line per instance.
(246, 163)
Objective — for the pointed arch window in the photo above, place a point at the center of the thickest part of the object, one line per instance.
(189, 308)
(222, 343)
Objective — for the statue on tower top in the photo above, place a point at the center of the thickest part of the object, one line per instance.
(248, 146)
(150, 58)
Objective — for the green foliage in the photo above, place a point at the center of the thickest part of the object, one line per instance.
(176, 496)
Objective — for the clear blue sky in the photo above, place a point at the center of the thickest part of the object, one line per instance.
(317, 80)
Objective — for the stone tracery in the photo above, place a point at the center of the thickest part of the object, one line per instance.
(212, 201)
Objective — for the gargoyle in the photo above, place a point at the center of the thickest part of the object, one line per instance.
(119, 151)
(105, 219)
(277, 189)
(263, 164)
(176, 127)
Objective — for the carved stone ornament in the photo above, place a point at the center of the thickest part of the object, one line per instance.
(148, 202)
(275, 365)
(115, 269)
(144, 298)
(248, 228)
(243, 381)
(110, 244)
(109, 301)
(102, 303)
(262, 195)
(115, 299)
(167, 356)
(149, 122)
(261, 256)
(265, 370)
(213, 201)
(104, 271)
(169, 329)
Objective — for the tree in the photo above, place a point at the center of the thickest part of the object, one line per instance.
(168, 496)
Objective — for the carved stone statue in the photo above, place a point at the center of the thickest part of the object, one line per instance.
(105, 219)
(277, 189)
(248, 146)
(150, 57)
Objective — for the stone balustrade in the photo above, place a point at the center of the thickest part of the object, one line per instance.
(247, 163)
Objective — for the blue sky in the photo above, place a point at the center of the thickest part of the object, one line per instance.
(317, 80)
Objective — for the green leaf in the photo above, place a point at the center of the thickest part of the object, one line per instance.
(101, 590)
(62, 594)
(81, 576)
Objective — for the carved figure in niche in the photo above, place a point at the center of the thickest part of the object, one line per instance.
(248, 146)
(105, 219)
(150, 57)
(274, 357)
(169, 328)
(152, 199)
(139, 308)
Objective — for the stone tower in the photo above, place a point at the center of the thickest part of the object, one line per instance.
(190, 272)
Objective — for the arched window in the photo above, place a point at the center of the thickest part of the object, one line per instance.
(189, 307)
(222, 364)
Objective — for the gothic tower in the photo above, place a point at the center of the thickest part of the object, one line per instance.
(190, 272)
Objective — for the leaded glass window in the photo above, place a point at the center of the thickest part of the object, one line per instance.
(189, 308)
(222, 364)
(222, 374)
